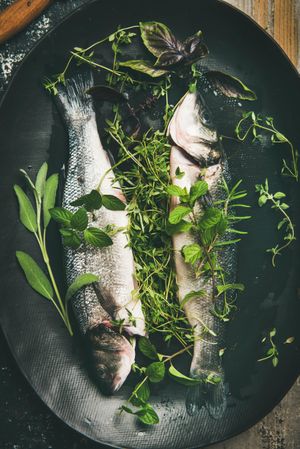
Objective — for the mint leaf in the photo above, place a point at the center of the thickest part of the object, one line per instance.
(61, 216)
(91, 201)
(156, 372)
(97, 238)
(147, 348)
(70, 238)
(112, 202)
(181, 378)
(79, 220)
(182, 226)
(210, 218)
(192, 253)
(197, 190)
(178, 213)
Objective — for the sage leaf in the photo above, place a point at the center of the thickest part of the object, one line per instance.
(41, 179)
(229, 86)
(181, 378)
(81, 281)
(97, 238)
(192, 253)
(178, 213)
(156, 372)
(61, 215)
(147, 348)
(79, 220)
(49, 197)
(145, 67)
(36, 278)
(112, 202)
(26, 212)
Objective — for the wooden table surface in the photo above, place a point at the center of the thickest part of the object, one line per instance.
(281, 428)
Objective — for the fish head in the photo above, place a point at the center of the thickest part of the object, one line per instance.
(111, 355)
(191, 129)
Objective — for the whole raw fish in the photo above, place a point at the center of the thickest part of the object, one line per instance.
(112, 297)
(196, 151)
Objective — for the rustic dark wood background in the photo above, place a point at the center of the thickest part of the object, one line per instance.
(25, 422)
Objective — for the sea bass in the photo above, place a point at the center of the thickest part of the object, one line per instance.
(196, 151)
(112, 297)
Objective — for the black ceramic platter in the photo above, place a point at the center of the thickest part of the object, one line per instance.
(31, 131)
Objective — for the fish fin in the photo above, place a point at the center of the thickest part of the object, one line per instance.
(216, 401)
(195, 399)
(72, 98)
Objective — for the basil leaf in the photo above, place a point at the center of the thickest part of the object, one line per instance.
(197, 190)
(41, 179)
(81, 281)
(147, 415)
(91, 201)
(178, 213)
(156, 372)
(70, 238)
(147, 348)
(145, 67)
(36, 278)
(61, 215)
(176, 190)
(112, 202)
(158, 38)
(181, 378)
(229, 86)
(97, 238)
(192, 253)
(210, 218)
(182, 226)
(194, 48)
(26, 211)
(79, 220)
(169, 58)
(49, 197)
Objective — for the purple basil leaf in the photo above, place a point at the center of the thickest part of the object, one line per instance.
(158, 38)
(229, 86)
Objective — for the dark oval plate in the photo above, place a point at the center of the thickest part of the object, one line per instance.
(31, 132)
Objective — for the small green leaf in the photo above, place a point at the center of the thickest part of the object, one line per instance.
(178, 173)
(191, 295)
(262, 200)
(145, 67)
(279, 195)
(210, 218)
(275, 361)
(182, 226)
(91, 201)
(142, 393)
(36, 278)
(174, 190)
(178, 213)
(61, 216)
(192, 253)
(156, 372)
(79, 220)
(49, 197)
(147, 348)
(223, 288)
(147, 415)
(97, 238)
(181, 378)
(81, 281)
(26, 211)
(273, 332)
(70, 238)
(197, 190)
(41, 179)
(112, 202)
(221, 352)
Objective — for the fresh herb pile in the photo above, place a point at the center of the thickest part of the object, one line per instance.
(142, 168)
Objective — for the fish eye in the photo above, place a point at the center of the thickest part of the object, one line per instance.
(101, 370)
(206, 118)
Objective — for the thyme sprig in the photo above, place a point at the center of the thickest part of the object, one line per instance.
(286, 223)
(252, 123)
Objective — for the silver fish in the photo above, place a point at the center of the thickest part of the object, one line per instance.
(112, 297)
(197, 153)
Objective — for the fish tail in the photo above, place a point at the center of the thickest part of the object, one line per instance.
(210, 395)
(72, 98)
(216, 400)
